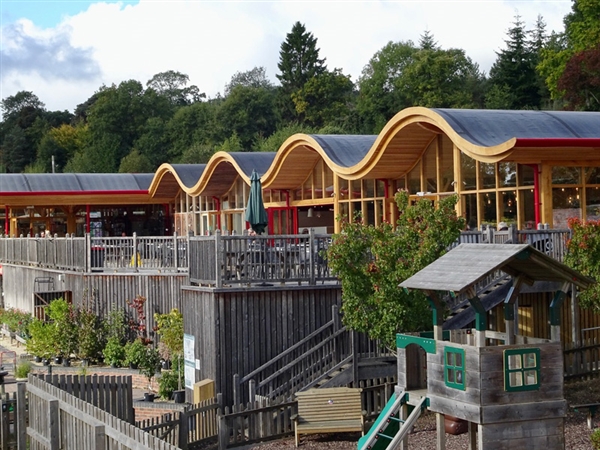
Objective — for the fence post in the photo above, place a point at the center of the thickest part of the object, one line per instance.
(236, 389)
(20, 412)
(312, 256)
(252, 389)
(88, 252)
(175, 251)
(4, 422)
(184, 429)
(98, 437)
(218, 275)
(223, 433)
(354, 338)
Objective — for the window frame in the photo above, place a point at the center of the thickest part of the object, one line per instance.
(454, 367)
(522, 369)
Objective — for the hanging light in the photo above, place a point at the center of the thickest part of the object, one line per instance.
(310, 212)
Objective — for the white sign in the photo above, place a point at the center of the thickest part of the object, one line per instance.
(190, 375)
(189, 341)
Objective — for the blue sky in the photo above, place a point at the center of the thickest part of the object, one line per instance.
(64, 51)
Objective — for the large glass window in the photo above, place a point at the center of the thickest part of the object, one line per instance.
(430, 169)
(488, 203)
(414, 180)
(566, 204)
(487, 176)
(507, 174)
(522, 369)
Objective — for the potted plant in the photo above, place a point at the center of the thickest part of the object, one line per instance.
(114, 352)
(148, 366)
(64, 330)
(91, 335)
(39, 343)
(170, 329)
(169, 383)
(22, 370)
(134, 353)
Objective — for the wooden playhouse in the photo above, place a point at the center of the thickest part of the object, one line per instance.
(507, 387)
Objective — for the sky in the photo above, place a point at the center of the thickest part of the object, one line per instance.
(65, 50)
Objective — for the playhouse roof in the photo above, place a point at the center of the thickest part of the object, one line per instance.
(466, 264)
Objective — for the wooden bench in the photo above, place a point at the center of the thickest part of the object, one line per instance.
(330, 410)
(591, 410)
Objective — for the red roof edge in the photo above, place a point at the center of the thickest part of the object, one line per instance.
(557, 142)
(42, 193)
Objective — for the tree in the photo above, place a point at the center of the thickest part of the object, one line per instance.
(381, 95)
(583, 255)
(582, 32)
(23, 100)
(371, 262)
(61, 143)
(135, 162)
(580, 81)
(173, 86)
(192, 125)
(324, 99)
(514, 69)
(298, 62)
(255, 78)
(247, 112)
(427, 42)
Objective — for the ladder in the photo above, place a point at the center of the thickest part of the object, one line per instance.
(389, 430)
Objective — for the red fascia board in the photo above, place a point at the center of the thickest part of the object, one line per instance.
(557, 142)
(73, 193)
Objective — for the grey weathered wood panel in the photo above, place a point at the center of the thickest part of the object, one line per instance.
(540, 435)
(238, 330)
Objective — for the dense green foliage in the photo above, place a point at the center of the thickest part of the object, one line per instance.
(371, 261)
(583, 255)
(132, 127)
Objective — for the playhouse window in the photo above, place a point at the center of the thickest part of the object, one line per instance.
(454, 367)
(522, 369)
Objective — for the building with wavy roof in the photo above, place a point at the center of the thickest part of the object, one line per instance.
(520, 167)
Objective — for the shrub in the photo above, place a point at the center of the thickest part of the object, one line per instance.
(40, 340)
(114, 352)
(148, 364)
(64, 335)
(23, 369)
(17, 321)
(595, 439)
(91, 336)
(134, 353)
(167, 383)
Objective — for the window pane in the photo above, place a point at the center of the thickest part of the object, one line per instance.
(507, 174)
(469, 179)
(430, 169)
(369, 188)
(592, 175)
(525, 175)
(450, 375)
(470, 210)
(414, 180)
(516, 379)
(489, 207)
(459, 376)
(566, 175)
(446, 163)
(592, 200)
(529, 360)
(509, 206)
(450, 359)
(514, 362)
(530, 377)
(527, 198)
(565, 204)
(459, 361)
(487, 175)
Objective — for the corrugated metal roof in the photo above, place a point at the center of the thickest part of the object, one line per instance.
(466, 264)
(189, 174)
(249, 161)
(488, 127)
(345, 150)
(70, 182)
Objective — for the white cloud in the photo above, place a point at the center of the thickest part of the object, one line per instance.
(210, 41)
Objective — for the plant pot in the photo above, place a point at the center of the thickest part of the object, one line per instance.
(179, 396)
(66, 362)
(148, 397)
(46, 362)
(37, 359)
(58, 360)
(133, 366)
(85, 362)
(166, 365)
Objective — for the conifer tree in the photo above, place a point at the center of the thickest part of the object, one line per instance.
(514, 69)
(298, 62)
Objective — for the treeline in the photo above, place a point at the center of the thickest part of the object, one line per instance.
(134, 128)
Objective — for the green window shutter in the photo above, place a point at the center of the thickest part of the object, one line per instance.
(522, 369)
(454, 367)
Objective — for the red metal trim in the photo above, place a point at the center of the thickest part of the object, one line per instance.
(87, 218)
(557, 142)
(6, 220)
(49, 193)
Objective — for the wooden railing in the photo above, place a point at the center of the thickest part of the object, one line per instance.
(221, 260)
(88, 254)
(308, 362)
(582, 360)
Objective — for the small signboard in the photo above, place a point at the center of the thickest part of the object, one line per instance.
(189, 342)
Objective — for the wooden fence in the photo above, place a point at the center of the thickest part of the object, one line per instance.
(110, 393)
(13, 420)
(58, 419)
(582, 360)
